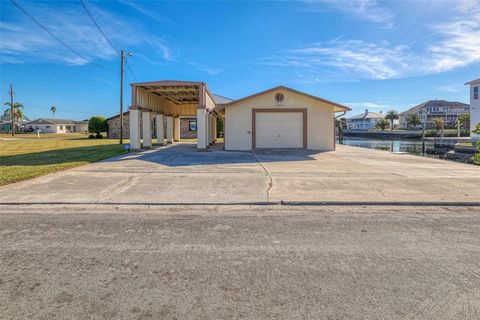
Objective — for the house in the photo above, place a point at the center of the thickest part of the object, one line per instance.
(364, 121)
(474, 106)
(279, 117)
(6, 123)
(46, 125)
(187, 124)
(447, 110)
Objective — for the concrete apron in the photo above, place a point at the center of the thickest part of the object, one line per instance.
(178, 174)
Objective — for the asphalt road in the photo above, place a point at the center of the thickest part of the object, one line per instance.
(239, 262)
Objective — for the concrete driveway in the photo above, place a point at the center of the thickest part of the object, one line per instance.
(178, 174)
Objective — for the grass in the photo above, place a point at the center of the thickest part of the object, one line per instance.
(30, 157)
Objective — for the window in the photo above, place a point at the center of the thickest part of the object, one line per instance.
(475, 93)
(192, 125)
(48, 127)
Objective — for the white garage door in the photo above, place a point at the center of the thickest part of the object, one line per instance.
(278, 130)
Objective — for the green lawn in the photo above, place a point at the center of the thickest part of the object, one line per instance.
(31, 157)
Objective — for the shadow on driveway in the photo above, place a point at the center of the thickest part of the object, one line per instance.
(186, 154)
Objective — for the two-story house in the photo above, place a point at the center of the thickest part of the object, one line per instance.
(474, 106)
(364, 121)
(448, 111)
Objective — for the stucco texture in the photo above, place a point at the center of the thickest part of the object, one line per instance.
(320, 124)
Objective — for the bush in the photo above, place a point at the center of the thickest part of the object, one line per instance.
(98, 136)
(91, 136)
(97, 124)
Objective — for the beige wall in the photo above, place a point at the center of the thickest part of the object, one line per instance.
(238, 120)
(156, 103)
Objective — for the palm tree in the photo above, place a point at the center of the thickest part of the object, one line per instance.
(464, 120)
(413, 120)
(17, 110)
(391, 116)
(53, 109)
(437, 123)
(382, 124)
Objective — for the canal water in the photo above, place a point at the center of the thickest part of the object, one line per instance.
(409, 146)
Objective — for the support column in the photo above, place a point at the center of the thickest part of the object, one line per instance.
(160, 129)
(202, 129)
(169, 129)
(214, 129)
(135, 129)
(176, 129)
(147, 129)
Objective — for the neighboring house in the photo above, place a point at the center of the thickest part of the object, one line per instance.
(364, 121)
(279, 117)
(447, 110)
(46, 125)
(6, 124)
(188, 124)
(474, 105)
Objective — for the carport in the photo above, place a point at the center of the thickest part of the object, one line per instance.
(155, 102)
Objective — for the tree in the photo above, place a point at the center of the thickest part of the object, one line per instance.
(382, 124)
(391, 115)
(464, 120)
(97, 124)
(53, 109)
(476, 157)
(17, 110)
(413, 120)
(437, 123)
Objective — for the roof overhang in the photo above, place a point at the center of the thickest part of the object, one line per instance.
(178, 92)
(476, 81)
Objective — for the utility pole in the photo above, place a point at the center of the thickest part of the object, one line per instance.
(12, 118)
(122, 74)
(122, 62)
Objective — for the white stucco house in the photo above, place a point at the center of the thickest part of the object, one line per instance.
(364, 121)
(474, 106)
(46, 125)
(279, 117)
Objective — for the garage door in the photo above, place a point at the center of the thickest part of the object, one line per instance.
(279, 130)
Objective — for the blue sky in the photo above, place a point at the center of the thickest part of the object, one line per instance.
(371, 54)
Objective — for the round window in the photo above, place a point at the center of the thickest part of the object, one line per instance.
(279, 97)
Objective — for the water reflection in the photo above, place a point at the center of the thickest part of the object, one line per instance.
(410, 146)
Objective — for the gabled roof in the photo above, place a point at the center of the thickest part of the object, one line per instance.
(51, 121)
(435, 103)
(221, 99)
(340, 107)
(476, 81)
(369, 115)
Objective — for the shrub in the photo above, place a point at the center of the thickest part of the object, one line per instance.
(97, 124)
(91, 136)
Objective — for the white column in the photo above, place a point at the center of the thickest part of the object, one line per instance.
(147, 129)
(214, 129)
(176, 129)
(160, 129)
(202, 129)
(169, 129)
(134, 129)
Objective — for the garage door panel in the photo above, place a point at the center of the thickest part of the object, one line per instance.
(279, 130)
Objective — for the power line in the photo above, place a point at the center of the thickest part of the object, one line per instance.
(131, 71)
(106, 38)
(57, 38)
(98, 27)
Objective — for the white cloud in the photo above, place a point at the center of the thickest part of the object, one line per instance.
(452, 44)
(368, 10)
(367, 105)
(24, 41)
